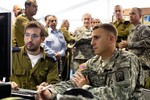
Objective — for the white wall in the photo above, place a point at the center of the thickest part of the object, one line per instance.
(73, 9)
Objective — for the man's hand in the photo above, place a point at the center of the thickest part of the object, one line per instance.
(123, 44)
(58, 56)
(44, 84)
(43, 93)
(80, 79)
(14, 85)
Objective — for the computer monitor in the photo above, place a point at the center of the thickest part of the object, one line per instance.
(5, 45)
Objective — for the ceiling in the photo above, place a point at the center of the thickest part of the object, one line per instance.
(73, 9)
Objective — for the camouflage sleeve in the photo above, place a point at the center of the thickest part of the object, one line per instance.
(78, 33)
(62, 87)
(125, 87)
(144, 41)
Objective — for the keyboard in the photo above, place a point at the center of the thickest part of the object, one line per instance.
(24, 93)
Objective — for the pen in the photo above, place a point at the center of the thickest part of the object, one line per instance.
(44, 88)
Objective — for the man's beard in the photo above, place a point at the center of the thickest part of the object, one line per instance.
(33, 48)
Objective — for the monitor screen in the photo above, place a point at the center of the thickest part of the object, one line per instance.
(5, 45)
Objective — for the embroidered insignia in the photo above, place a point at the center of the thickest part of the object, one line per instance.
(119, 76)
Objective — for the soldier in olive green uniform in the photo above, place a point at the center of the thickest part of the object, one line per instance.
(67, 59)
(21, 21)
(30, 64)
(27, 77)
(123, 27)
(110, 75)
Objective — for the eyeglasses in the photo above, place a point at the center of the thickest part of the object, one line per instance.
(32, 35)
(53, 21)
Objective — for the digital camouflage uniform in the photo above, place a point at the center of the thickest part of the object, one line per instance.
(83, 48)
(119, 79)
(139, 44)
(26, 77)
(123, 27)
(18, 29)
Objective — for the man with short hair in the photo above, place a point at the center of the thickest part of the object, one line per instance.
(20, 22)
(110, 75)
(139, 41)
(55, 44)
(47, 21)
(83, 50)
(17, 10)
(123, 26)
(30, 64)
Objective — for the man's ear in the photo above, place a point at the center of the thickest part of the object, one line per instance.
(42, 39)
(123, 11)
(112, 38)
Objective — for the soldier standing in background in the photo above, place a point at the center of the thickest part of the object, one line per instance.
(83, 50)
(17, 10)
(123, 27)
(138, 41)
(21, 20)
(67, 59)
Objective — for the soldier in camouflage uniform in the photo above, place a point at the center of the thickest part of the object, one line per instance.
(123, 27)
(110, 75)
(83, 49)
(30, 64)
(139, 41)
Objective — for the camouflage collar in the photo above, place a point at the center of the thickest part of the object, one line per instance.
(136, 27)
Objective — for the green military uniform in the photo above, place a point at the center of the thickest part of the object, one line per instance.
(118, 78)
(25, 76)
(66, 34)
(18, 29)
(123, 27)
(46, 32)
(67, 59)
(14, 42)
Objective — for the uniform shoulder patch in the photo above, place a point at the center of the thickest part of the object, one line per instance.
(119, 76)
